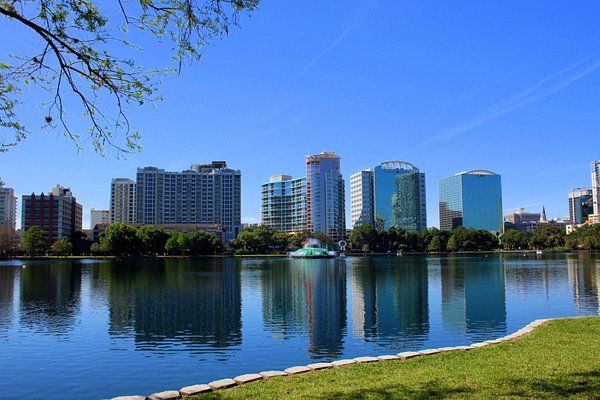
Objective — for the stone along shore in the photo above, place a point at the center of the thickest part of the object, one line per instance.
(264, 375)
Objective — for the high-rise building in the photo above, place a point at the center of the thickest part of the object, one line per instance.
(99, 217)
(325, 197)
(8, 207)
(580, 205)
(596, 186)
(284, 203)
(390, 195)
(204, 194)
(471, 199)
(122, 200)
(361, 199)
(58, 214)
(408, 202)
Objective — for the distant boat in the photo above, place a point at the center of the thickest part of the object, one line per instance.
(399, 253)
(539, 252)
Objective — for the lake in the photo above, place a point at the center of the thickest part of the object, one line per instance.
(94, 329)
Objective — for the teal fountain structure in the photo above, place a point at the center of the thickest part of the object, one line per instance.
(313, 249)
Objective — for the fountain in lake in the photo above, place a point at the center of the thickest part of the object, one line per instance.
(313, 249)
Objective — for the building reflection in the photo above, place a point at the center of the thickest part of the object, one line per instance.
(473, 295)
(50, 296)
(7, 293)
(390, 300)
(540, 276)
(166, 304)
(307, 296)
(452, 277)
(584, 278)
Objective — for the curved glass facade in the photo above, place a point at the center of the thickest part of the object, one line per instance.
(408, 202)
(390, 195)
(399, 196)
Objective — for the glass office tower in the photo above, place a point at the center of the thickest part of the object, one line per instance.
(399, 196)
(408, 202)
(390, 195)
(471, 199)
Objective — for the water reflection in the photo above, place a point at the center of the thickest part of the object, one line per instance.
(170, 304)
(307, 295)
(585, 283)
(473, 295)
(390, 300)
(7, 289)
(115, 321)
(50, 297)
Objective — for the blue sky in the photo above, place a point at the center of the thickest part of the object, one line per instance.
(449, 86)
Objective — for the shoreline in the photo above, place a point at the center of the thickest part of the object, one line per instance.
(226, 383)
(112, 257)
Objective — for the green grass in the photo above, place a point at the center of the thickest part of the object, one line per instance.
(559, 360)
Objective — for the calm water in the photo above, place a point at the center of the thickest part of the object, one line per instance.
(91, 330)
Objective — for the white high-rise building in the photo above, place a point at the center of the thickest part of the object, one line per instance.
(204, 194)
(596, 186)
(122, 201)
(8, 206)
(361, 198)
(284, 203)
(580, 205)
(99, 217)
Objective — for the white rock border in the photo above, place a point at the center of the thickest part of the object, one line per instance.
(222, 384)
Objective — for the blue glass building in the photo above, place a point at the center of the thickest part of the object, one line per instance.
(390, 195)
(408, 202)
(471, 199)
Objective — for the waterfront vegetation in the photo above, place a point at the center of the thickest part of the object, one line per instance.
(120, 239)
(558, 360)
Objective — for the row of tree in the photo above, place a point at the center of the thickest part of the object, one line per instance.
(121, 240)
(118, 239)
(366, 238)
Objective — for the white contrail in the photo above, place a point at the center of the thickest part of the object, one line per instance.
(546, 87)
(336, 42)
(332, 46)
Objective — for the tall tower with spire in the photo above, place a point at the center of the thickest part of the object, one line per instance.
(543, 215)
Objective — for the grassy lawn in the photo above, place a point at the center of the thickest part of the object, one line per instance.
(559, 360)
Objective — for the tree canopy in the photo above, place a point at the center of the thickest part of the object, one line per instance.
(62, 247)
(84, 57)
(34, 241)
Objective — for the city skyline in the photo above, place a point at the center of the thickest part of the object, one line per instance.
(450, 88)
(87, 223)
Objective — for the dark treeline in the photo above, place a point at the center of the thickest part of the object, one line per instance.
(545, 237)
(118, 239)
(122, 240)
(366, 238)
